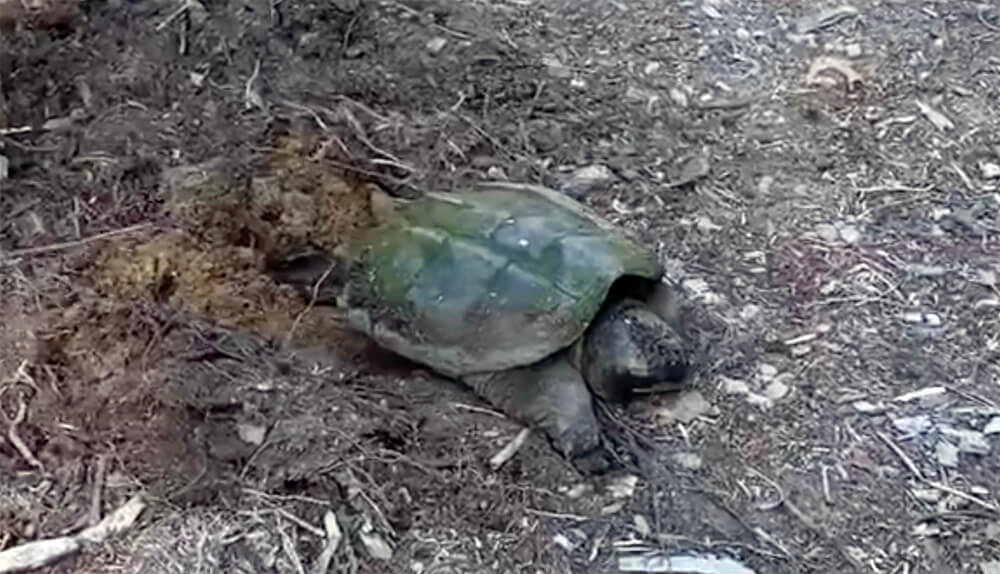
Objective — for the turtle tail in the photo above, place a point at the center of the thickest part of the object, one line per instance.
(317, 276)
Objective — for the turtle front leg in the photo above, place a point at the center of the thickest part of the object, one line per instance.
(552, 396)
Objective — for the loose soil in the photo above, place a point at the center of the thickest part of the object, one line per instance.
(825, 192)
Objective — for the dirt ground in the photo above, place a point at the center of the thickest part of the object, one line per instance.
(822, 180)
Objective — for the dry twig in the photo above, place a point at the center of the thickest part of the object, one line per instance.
(288, 546)
(16, 440)
(28, 251)
(333, 538)
(184, 7)
(312, 303)
(902, 455)
(936, 485)
(507, 452)
(41, 553)
(100, 469)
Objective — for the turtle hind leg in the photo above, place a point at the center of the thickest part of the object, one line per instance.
(552, 396)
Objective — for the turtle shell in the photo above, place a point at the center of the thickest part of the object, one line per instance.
(489, 278)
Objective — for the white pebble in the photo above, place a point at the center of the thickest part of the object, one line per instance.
(776, 390)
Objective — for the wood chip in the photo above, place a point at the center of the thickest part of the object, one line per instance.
(937, 118)
(376, 546)
(825, 18)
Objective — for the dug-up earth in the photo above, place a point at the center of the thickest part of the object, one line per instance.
(821, 179)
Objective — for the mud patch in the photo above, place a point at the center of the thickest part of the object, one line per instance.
(226, 233)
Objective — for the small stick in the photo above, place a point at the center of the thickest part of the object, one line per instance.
(95, 498)
(826, 484)
(16, 131)
(902, 455)
(15, 439)
(895, 187)
(480, 410)
(173, 16)
(766, 537)
(559, 515)
(510, 450)
(982, 19)
(296, 497)
(312, 303)
(973, 499)
(300, 522)
(800, 339)
(289, 547)
(251, 98)
(70, 244)
(76, 217)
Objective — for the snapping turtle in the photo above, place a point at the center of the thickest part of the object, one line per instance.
(524, 295)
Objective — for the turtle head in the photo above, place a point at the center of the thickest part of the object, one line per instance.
(630, 347)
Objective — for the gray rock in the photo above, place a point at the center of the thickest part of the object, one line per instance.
(849, 234)
(556, 68)
(685, 406)
(992, 427)
(376, 546)
(436, 44)
(970, 441)
(947, 454)
(250, 433)
(776, 390)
